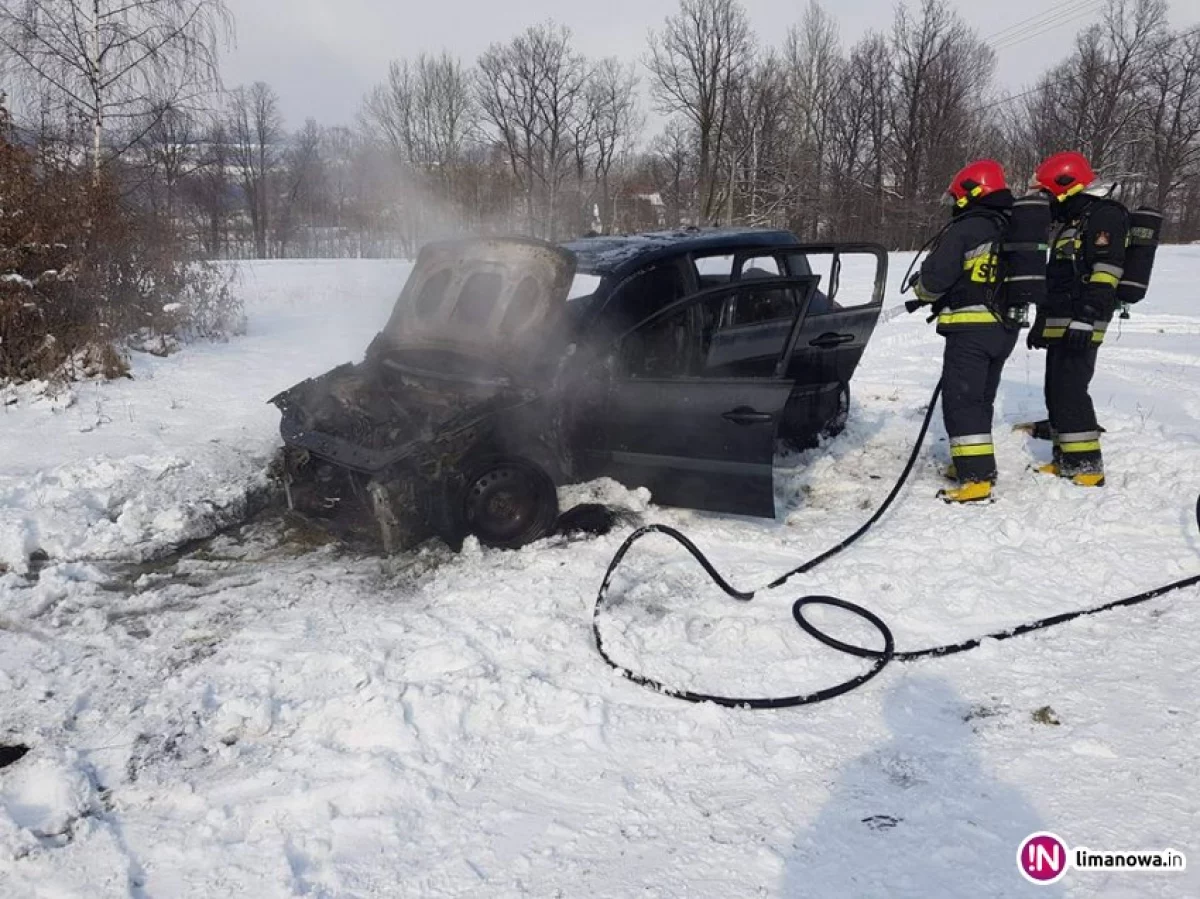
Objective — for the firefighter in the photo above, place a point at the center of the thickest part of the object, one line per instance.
(960, 279)
(1087, 256)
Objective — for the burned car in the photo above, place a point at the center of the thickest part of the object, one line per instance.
(510, 366)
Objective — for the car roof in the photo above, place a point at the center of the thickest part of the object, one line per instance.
(618, 255)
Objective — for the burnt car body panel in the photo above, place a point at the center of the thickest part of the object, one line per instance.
(669, 372)
(491, 299)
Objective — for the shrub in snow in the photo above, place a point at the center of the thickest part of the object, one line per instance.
(84, 277)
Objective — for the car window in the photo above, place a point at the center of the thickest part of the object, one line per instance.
(584, 285)
(700, 341)
(757, 304)
(806, 264)
(713, 271)
(760, 267)
(850, 280)
(663, 348)
(715, 266)
(642, 295)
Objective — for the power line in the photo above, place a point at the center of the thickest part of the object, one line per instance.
(1006, 44)
(1015, 98)
(1004, 33)
(1036, 21)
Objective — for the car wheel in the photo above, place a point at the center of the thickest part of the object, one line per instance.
(508, 503)
(837, 423)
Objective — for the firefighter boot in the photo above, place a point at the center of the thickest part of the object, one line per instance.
(950, 473)
(970, 492)
(1084, 479)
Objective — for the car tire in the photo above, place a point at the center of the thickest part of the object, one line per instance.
(837, 423)
(507, 503)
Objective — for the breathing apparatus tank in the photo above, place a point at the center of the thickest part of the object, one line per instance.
(1145, 229)
(1023, 253)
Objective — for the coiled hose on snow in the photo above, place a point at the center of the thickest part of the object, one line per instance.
(880, 658)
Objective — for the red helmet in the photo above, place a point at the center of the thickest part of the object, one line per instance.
(980, 178)
(1064, 174)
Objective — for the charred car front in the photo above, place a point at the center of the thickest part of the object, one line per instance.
(674, 361)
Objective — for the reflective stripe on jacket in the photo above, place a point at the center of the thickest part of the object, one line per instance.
(1087, 257)
(960, 275)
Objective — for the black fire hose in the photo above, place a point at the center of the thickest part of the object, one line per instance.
(879, 657)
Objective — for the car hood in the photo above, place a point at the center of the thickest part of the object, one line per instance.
(498, 300)
(368, 417)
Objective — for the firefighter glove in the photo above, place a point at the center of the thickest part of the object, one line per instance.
(1079, 335)
(1036, 338)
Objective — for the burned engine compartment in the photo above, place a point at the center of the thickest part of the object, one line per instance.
(377, 450)
(447, 427)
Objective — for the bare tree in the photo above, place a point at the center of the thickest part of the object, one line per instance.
(1171, 104)
(814, 100)
(303, 176)
(169, 148)
(870, 74)
(941, 74)
(424, 113)
(532, 94)
(757, 148)
(255, 132)
(696, 63)
(210, 189)
(115, 61)
(672, 162)
(1091, 101)
(615, 120)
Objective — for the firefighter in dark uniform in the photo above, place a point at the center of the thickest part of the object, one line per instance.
(1087, 256)
(960, 279)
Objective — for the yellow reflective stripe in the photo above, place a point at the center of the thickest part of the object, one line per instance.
(982, 262)
(967, 318)
(1104, 278)
(1087, 446)
(977, 449)
(1054, 333)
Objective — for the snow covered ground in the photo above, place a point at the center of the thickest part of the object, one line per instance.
(263, 715)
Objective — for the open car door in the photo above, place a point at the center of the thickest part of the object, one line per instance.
(688, 410)
(844, 312)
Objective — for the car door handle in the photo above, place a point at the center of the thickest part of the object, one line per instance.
(744, 415)
(829, 340)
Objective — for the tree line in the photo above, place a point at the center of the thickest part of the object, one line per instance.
(829, 140)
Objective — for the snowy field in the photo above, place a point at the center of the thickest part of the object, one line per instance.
(261, 715)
